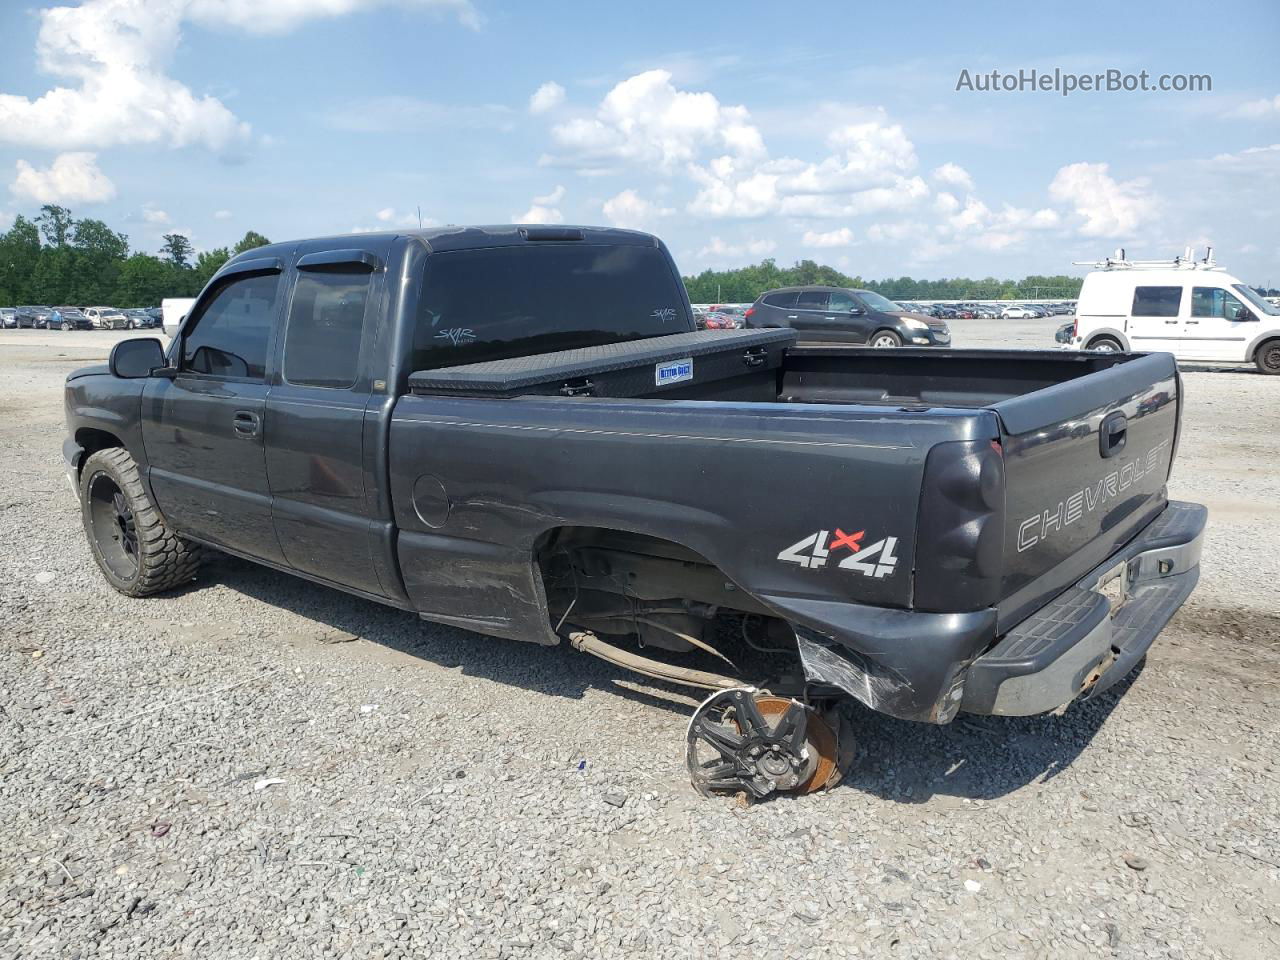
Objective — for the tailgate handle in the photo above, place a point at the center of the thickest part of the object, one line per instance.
(1113, 433)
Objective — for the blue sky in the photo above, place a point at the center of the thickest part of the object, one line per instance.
(829, 131)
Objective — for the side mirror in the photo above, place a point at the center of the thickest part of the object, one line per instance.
(132, 359)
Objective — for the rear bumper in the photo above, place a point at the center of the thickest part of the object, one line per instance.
(1082, 643)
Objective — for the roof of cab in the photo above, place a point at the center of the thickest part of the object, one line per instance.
(439, 239)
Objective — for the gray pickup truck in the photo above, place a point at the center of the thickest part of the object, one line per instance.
(519, 431)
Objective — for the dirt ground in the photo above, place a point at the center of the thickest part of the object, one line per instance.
(259, 766)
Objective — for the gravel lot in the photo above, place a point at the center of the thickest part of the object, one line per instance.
(261, 767)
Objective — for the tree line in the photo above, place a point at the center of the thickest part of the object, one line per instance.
(744, 284)
(56, 259)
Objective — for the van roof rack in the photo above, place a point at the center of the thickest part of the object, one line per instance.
(1187, 261)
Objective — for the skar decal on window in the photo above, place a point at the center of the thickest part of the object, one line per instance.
(1054, 518)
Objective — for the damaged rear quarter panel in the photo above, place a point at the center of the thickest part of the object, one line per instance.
(737, 483)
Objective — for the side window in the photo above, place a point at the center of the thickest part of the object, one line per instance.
(783, 300)
(843, 302)
(1156, 301)
(812, 300)
(326, 324)
(1214, 302)
(229, 337)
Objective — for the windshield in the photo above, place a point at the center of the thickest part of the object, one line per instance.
(877, 302)
(1252, 296)
(499, 302)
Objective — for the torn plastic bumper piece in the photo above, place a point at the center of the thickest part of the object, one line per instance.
(907, 664)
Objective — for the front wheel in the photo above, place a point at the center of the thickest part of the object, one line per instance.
(1105, 345)
(1267, 357)
(67, 326)
(137, 553)
(882, 339)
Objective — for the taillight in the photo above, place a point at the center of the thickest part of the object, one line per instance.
(960, 537)
(750, 310)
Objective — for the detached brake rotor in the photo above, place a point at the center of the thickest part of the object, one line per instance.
(741, 741)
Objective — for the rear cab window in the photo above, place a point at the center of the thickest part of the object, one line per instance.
(1156, 301)
(326, 326)
(812, 300)
(498, 302)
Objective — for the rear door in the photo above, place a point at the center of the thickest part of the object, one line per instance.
(1086, 462)
(203, 429)
(1155, 318)
(811, 318)
(322, 504)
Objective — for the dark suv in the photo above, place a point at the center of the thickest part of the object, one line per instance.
(839, 315)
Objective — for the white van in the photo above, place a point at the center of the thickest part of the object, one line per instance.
(173, 311)
(1192, 309)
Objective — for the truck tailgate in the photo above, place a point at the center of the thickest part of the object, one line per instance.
(1086, 463)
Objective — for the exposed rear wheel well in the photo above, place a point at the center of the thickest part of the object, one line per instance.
(654, 597)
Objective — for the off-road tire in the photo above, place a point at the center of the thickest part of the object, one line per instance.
(162, 559)
(1267, 357)
(884, 339)
(1105, 345)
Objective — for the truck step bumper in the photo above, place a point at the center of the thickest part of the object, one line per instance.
(1092, 635)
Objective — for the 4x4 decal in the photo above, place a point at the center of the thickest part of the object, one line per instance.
(814, 551)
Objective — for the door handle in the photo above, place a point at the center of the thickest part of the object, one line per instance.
(792, 316)
(246, 424)
(1193, 322)
(1170, 321)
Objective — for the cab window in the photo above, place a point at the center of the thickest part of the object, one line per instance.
(843, 302)
(1156, 301)
(229, 337)
(1216, 302)
(326, 325)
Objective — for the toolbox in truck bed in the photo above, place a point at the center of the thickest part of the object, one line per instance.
(673, 366)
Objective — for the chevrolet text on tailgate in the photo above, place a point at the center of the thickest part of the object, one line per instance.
(519, 431)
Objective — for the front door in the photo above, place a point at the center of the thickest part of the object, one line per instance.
(203, 430)
(323, 496)
(1155, 320)
(851, 316)
(1219, 327)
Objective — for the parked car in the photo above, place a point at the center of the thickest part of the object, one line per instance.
(1017, 313)
(823, 314)
(987, 312)
(1194, 310)
(33, 317)
(138, 319)
(107, 318)
(919, 568)
(715, 320)
(9, 318)
(1061, 309)
(1065, 332)
(69, 318)
(173, 312)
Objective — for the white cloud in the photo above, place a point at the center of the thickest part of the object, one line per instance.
(550, 199)
(1256, 109)
(72, 178)
(645, 119)
(629, 209)
(953, 175)
(280, 16)
(842, 237)
(868, 173)
(543, 209)
(111, 59)
(1109, 208)
(222, 215)
(6, 219)
(152, 214)
(547, 97)
(718, 248)
(391, 217)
